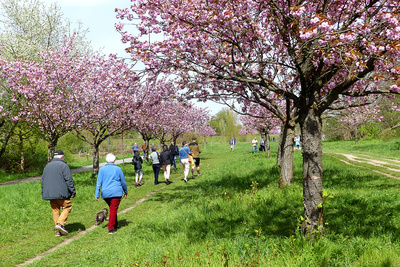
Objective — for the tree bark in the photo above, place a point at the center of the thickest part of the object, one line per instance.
(285, 154)
(355, 135)
(96, 164)
(267, 145)
(50, 151)
(22, 151)
(311, 129)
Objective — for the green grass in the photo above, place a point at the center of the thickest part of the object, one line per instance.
(388, 149)
(233, 215)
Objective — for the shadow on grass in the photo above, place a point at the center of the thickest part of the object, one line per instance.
(75, 227)
(275, 217)
(365, 205)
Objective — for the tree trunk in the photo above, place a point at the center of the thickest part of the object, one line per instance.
(285, 154)
(22, 151)
(147, 143)
(96, 164)
(50, 152)
(355, 135)
(311, 130)
(267, 145)
(7, 136)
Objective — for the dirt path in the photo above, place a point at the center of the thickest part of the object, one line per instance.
(369, 162)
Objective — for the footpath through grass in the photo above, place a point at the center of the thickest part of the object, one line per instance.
(233, 215)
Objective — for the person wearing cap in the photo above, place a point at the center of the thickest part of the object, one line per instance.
(58, 187)
(111, 182)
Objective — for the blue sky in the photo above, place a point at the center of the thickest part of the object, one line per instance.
(99, 17)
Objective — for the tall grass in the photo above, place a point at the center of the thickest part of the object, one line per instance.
(233, 215)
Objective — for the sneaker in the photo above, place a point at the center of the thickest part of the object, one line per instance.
(199, 174)
(137, 185)
(58, 233)
(185, 180)
(167, 182)
(110, 232)
(140, 183)
(61, 228)
(193, 177)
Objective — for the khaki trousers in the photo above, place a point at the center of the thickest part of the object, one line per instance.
(56, 205)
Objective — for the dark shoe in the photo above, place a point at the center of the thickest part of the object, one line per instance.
(137, 185)
(193, 177)
(110, 232)
(61, 228)
(167, 182)
(185, 180)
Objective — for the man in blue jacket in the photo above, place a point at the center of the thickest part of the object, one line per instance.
(111, 182)
(58, 187)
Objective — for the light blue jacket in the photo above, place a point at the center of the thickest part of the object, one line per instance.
(183, 154)
(111, 181)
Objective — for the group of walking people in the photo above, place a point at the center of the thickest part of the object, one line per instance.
(58, 186)
(189, 155)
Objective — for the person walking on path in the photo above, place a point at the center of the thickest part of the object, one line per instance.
(58, 187)
(262, 144)
(174, 151)
(232, 143)
(135, 148)
(195, 150)
(184, 153)
(155, 158)
(144, 150)
(137, 161)
(111, 182)
(166, 161)
(254, 145)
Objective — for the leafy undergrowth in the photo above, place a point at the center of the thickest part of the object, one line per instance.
(233, 215)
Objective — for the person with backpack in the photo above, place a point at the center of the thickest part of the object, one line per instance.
(174, 151)
(155, 158)
(137, 161)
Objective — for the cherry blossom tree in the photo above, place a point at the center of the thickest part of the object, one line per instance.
(46, 88)
(107, 102)
(27, 28)
(308, 53)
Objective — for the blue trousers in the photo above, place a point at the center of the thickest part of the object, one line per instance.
(174, 162)
(156, 170)
(254, 149)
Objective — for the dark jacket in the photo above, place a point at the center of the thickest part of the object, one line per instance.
(173, 150)
(57, 182)
(137, 162)
(165, 158)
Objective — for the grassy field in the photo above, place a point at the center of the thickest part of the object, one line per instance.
(233, 215)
